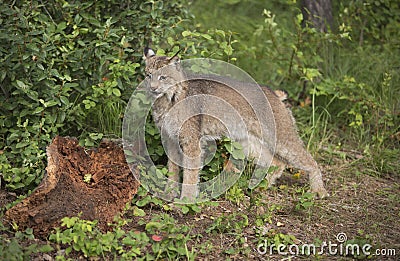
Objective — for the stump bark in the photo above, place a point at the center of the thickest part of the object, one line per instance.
(95, 184)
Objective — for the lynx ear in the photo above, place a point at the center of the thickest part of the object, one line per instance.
(174, 58)
(175, 61)
(148, 52)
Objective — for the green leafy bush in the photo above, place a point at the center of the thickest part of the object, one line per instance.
(372, 21)
(68, 68)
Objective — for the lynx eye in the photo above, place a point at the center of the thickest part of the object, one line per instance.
(162, 78)
(149, 75)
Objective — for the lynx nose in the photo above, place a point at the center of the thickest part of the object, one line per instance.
(153, 87)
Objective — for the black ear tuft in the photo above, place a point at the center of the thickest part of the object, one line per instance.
(148, 52)
(175, 56)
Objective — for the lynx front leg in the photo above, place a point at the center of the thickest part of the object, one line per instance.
(192, 165)
(189, 184)
(172, 149)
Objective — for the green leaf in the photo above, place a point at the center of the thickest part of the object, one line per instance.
(143, 202)
(51, 103)
(64, 100)
(196, 208)
(21, 84)
(307, 204)
(116, 92)
(71, 85)
(220, 32)
(185, 209)
(154, 225)
(22, 144)
(186, 33)
(61, 26)
(207, 36)
(40, 66)
(45, 249)
(137, 212)
(38, 110)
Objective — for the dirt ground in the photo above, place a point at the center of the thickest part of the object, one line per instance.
(364, 208)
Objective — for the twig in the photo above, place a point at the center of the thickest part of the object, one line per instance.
(48, 13)
(353, 153)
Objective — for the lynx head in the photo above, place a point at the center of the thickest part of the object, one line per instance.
(163, 73)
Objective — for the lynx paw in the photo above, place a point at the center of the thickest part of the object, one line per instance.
(320, 192)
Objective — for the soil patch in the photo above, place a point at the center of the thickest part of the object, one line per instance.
(96, 183)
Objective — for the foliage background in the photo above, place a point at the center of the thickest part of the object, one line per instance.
(68, 68)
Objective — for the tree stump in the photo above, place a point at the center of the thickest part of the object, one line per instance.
(95, 184)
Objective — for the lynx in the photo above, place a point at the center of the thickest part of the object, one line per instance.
(166, 82)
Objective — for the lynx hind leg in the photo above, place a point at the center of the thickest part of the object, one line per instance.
(263, 157)
(277, 172)
(297, 156)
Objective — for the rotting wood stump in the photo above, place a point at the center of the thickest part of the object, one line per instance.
(64, 192)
